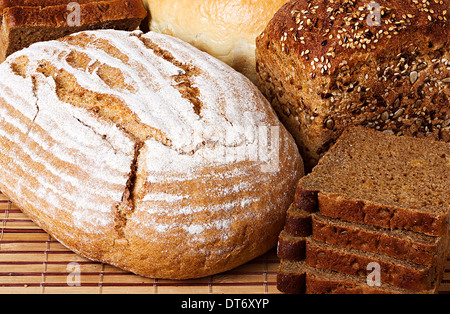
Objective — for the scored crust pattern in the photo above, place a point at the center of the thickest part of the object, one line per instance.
(121, 144)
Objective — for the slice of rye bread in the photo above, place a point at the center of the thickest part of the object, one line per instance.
(400, 273)
(295, 246)
(396, 271)
(300, 278)
(25, 22)
(380, 179)
(415, 247)
(292, 239)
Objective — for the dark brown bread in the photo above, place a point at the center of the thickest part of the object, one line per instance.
(400, 273)
(25, 22)
(328, 65)
(365, 175)
(292, 240)
(298, 222)
(298, 277)
(380, 179)
(291, 248)
(416, 247)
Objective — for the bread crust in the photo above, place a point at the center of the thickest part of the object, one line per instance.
(299, 278)
(390, 217)
(138, 150)
(225, 29)
(415, 247)
(324, 69)
(298, 222)
(359, 144)
(29, 21)
(39, 3)
(400, 273)
(315, 258)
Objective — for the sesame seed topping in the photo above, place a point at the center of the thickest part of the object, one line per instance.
(345, 26)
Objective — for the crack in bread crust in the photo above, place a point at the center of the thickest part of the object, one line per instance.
(34, 82)
(139, 151)
(68, 90)
(127, 206)
(83, 98)
(111, 108)
(106, 106)
(183, 80)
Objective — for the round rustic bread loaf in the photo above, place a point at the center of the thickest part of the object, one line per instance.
(225, 29)
(143, 152)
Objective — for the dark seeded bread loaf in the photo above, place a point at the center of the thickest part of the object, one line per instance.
(25, 22)
(298, 277)
(384, 180)
(329, 65)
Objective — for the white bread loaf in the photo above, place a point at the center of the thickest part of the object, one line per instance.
(143, 152)
(225, 29)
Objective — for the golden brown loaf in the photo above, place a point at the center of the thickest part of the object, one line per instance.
(144, 152)
(325, 67)
(24, 22)
(225, 29)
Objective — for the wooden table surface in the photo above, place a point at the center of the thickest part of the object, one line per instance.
(31, 261)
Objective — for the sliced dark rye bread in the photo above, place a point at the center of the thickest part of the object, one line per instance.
(299, 278)
(292, 240)
(416, 247)
(349, 256)
(296, 245)
(291, 248)
(298, 222)
(375, 178)
(400, 273)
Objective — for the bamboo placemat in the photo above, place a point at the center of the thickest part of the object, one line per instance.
(31, 261)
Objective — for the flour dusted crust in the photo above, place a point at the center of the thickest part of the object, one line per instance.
(139, 151)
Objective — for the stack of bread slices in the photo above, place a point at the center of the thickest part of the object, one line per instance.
(372, 217)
